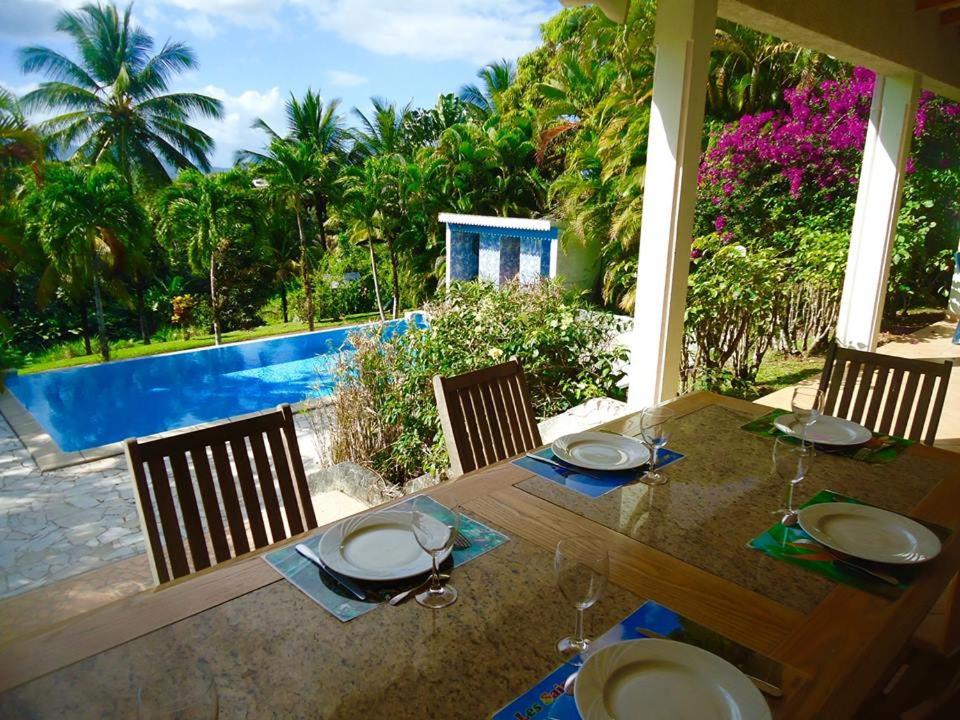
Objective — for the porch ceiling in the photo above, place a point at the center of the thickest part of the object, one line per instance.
(891, 37)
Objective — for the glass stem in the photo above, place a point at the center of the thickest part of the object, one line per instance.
(435, 577)
(579, 635)
(790, 498)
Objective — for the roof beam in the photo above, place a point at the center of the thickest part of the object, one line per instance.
(936, 4)
(950, 17)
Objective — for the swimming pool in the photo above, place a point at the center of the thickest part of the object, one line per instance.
(94, 405)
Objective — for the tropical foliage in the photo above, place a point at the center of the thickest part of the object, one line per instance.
(336, 213)
(386, 416)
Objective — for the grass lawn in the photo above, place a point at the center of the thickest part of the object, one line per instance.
(126, 349)
(780, 371)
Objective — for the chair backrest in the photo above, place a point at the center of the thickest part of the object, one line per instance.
(486, 416)
(880, 392)
(180, 531)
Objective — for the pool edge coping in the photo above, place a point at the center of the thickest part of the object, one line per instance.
(47, 455)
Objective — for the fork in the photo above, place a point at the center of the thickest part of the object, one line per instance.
(461, 541)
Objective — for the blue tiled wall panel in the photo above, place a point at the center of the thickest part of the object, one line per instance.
(509, 258)
(464, 255)
(489, 261)
(531, 260)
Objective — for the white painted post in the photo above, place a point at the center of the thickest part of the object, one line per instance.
(449, 256)
(892, 115)
(953, 306)
(683, 38)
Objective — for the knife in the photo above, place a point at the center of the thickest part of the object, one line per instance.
(343, 582)
(755, 664)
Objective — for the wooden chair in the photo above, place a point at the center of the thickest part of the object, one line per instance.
(880, 392)
(180, 532)
(486, 416)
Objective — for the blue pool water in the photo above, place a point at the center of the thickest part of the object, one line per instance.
(90, 406)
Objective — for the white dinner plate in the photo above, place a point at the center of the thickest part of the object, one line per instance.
(377, 546)
(601, 451)
(664, 680)
(826, 430)
(869, 533)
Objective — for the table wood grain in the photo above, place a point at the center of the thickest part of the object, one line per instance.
(242, 620)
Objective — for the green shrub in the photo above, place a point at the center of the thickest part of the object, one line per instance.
(384, 404)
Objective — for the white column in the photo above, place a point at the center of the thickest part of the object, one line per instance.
(449, 269)
(953, 306)
(885, 153)
(683, 38)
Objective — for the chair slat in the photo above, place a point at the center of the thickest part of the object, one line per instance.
(508, 423)
(267, 490)
(211, 506)
(923, 407)
(483, 425)
(296, 463)
(863, 392)
(248, 490)
(170, 525)
(494, 421)
(893, 400)
(231, 503)
(291, 506)
(470, 452)
(906, 404)
(189, 511)
(849, 384)
(878, 388)
(148, 520)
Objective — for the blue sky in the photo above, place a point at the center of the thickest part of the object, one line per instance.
(254, 53)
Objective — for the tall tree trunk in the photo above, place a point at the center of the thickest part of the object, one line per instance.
(376, 283)
(214, 305)
(283, 302)
(85, 326)
(305, 271)
(98, 304)
(395, 277)
(142, 315)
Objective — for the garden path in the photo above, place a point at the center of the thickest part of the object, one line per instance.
(933, 342)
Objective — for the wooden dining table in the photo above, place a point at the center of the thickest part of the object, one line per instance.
(275, 653)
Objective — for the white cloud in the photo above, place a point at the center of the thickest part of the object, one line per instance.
(343, 78)
(473, 30)
(233, 132)
(477, 31)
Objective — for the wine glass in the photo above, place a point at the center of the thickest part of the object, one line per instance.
(190, 697)
(582, 565)
(436, 528)
(807, 406)
(792, 463)
(655, 426)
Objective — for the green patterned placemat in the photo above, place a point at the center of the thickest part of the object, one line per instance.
(879, 449)
(793, 545)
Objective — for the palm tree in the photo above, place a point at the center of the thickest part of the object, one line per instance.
(495, 78)
(749, 71)
(86, 221)
(196, 211)
(310, 121)
(360, 210)
(113, 102)
(20, 144)
(295, 172)
(383, 131)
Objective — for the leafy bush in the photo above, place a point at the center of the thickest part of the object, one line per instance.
(385, 409)
(731, 305)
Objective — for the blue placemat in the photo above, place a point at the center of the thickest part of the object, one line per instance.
(547, 701)
(307, 578)
(592, 483)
